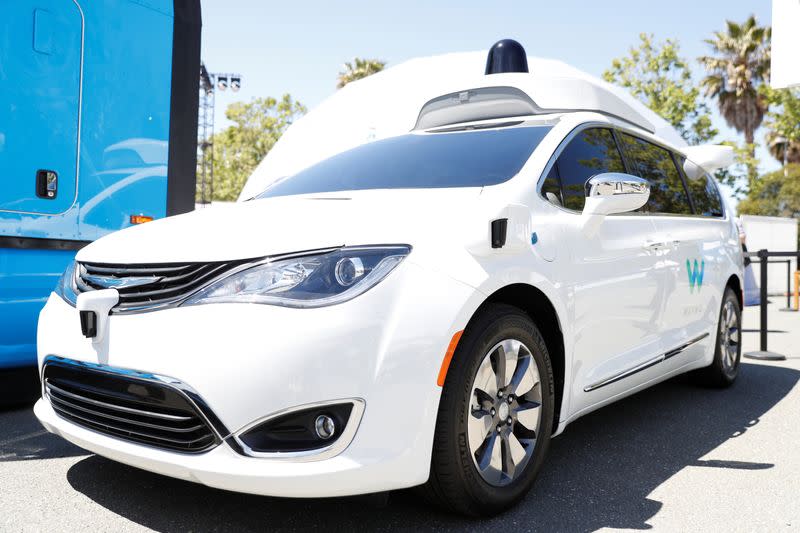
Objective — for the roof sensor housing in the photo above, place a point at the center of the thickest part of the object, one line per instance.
(506, 56)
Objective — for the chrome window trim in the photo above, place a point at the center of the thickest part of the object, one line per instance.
(219, 429)
(319, 454)
(644, 366)
(617, 129)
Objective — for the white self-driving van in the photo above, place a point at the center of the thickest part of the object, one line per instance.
(427, 302)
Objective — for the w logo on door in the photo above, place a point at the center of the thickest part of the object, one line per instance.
(695, 274)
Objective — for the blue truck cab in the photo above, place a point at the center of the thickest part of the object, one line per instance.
(98, 129)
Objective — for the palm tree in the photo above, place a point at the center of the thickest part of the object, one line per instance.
(359, 68)
(740, 64)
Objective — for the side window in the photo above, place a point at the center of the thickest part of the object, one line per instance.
(655, 164)
(702, 189)
(591, 152)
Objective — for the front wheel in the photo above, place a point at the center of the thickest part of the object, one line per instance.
(728, 350)
(495, 415)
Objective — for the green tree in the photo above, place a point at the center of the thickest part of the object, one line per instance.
(738, 67)
(359, 68)
(656, 74)
(774, 194)
(744, 160)
(783, 123)
(238, 149)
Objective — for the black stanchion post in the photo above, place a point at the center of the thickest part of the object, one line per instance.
(763, 353)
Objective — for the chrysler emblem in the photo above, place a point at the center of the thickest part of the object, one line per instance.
(108, 282)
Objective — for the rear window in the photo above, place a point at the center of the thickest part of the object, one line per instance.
(702, 189)
(420, 160)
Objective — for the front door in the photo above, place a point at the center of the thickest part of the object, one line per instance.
(615, 274)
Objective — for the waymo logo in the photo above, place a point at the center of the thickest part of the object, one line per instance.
(695, 274)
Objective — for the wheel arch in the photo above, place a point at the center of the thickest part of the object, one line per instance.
(736, 285)
(534, 303)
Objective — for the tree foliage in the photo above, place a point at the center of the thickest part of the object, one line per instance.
(783, 122)
(774, 194)
(257, 126)
(656, 74)
(737, 68)
(358, 69)
(744, 160)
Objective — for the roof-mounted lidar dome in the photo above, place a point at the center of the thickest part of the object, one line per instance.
(506, 56)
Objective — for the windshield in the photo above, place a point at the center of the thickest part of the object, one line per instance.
(470, 158)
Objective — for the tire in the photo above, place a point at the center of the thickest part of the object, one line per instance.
(728, 348)
(457, 482)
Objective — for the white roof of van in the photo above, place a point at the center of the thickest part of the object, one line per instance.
(388, 103)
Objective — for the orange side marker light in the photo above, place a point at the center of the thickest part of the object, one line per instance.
(140, 219)
(448, 356)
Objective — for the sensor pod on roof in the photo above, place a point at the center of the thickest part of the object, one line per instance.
(506, 55)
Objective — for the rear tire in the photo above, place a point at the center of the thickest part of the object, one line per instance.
(728, 348)
(485, 455)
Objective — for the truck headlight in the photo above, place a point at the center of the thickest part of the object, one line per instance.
(306, 281)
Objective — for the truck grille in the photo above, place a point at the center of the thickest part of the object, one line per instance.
(127, 407)
(149, 287)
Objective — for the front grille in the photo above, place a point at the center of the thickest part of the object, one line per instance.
(144, 287)
(127, 407)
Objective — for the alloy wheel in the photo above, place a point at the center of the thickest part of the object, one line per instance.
(504, 412)
(729, 334)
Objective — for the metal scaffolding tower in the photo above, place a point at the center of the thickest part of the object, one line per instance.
(209, 83)
(205, 137)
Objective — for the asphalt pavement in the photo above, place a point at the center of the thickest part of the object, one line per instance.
(673, 458)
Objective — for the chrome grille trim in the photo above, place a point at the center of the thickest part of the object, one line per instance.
(146, 409)
(92, 412)
(141, 412)
(181, 442)
(177, 281)
(171, 283)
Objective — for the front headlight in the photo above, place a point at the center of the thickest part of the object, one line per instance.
(307, 281)
(66, 285)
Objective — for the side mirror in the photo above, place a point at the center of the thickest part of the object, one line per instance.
(612, 192)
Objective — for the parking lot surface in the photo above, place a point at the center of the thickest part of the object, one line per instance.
(672, 458)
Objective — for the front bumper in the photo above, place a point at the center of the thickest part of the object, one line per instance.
(223, 468)
(249, 361)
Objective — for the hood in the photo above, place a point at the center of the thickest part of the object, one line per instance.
(294, 223)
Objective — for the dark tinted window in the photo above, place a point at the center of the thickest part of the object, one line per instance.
(591, 152)
(655, 164)
(420, 160)
(702, 189)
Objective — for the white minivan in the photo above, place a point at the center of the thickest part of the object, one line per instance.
(427, 308)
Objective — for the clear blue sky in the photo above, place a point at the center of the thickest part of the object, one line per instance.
(299, 47)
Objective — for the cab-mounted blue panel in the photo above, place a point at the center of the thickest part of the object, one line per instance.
(100, 96)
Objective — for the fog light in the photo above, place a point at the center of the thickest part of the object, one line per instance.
(325, 427)
(303, 429)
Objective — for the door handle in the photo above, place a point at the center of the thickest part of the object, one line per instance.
(654, 246)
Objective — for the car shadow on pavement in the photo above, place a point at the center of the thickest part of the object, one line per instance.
(22, 437)
(600, 473)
